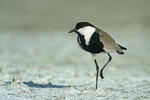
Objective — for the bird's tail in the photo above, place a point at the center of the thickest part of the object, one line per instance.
(122, 48)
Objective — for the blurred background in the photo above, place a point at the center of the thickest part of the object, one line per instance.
(35, 46)
(62, 15)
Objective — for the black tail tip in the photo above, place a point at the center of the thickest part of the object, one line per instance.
(123, 48)
(120, 52)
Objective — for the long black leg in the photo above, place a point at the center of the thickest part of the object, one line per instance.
(101, 71)
(97, 71)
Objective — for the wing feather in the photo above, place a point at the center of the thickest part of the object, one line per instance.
(108, 41)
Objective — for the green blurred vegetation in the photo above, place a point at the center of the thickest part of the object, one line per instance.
(63, 14)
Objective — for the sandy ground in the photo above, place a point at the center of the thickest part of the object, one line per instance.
(52, 67)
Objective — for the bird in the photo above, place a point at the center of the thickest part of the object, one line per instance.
(95, 41)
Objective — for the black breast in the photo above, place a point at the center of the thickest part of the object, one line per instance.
(95, 46)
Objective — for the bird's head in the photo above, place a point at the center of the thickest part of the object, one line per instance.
(83, 28)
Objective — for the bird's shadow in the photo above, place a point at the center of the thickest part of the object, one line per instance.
(36, 85)
(48, 85)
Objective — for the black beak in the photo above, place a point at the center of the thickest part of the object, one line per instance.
(73, 30)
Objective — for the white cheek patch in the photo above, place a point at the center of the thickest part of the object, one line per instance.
(87, 32)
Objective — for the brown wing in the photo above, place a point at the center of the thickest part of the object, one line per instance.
(108, 42)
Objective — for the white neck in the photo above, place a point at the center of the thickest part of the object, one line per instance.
(87, 32)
